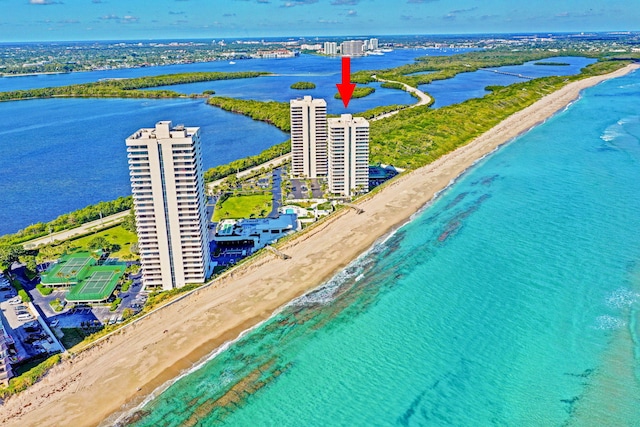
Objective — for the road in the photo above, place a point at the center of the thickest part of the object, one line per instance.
(423, 98)
(86, 228)
(111, 220)
(271, 163)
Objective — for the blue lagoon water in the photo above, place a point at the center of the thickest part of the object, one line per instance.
(58, 155)
(472, 85)
(511, 300)
(303, 65)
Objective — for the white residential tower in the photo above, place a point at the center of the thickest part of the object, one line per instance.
(308, 137)
(348, 155)
(330, 48)
(165, 167)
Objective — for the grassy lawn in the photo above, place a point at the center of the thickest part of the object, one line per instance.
(253, 206)
(115, 235)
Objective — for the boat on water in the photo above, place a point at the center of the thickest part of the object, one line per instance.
(232, 62)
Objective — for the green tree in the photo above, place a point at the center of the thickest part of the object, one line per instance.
(98, 243)
(129, 222)
(29, 262)
(10, 254)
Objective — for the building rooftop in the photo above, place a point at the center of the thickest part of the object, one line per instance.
(349, 119)
(255, 227)
(164, 129)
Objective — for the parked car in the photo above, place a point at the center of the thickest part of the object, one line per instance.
(15, 301)
(31, 328)
(20, 307)
(34, 337)
(25, 316)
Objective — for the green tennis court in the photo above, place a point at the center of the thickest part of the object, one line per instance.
(69, 270)
(73, 265)
(98, 286)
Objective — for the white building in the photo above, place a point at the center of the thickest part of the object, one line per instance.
(330, 48)
(255, 232)
(316, 46)
(165, 167)
(373, 44)
(348, 155)
(308, 137)
(352, 48)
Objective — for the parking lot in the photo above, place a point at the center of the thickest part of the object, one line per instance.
(29, 338)
(76, 316)
(302, 190)
(229, 255)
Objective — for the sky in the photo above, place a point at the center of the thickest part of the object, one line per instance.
(57, 20)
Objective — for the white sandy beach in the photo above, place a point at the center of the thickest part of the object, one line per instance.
(129, 365)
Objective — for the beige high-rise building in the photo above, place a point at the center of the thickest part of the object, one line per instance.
(308, 137)
(348, 155)
(165, 167)
(352, 48)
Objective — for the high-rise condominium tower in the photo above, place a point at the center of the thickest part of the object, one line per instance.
(330, 48)
(348, 155)
(165, 167)
(308, 137)
(352, 48)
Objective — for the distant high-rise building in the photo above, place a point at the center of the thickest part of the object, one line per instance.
(330, 48)
(373, 44)
(165, 167)
(352, 48)
(348, 155)
(308, 137)
(365, 45)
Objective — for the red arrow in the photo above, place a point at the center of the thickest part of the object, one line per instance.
(346, 87)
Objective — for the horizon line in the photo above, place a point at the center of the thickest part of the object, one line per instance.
(585, 33)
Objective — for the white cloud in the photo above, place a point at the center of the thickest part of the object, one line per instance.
(43, 2)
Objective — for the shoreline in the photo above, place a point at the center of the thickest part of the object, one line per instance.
(135, 361)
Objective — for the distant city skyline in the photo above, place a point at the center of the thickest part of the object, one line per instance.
(55, 20)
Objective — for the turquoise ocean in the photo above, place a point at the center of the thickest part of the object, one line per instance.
(511, 300)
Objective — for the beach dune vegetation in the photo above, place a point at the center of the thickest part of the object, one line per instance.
(417, 136)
